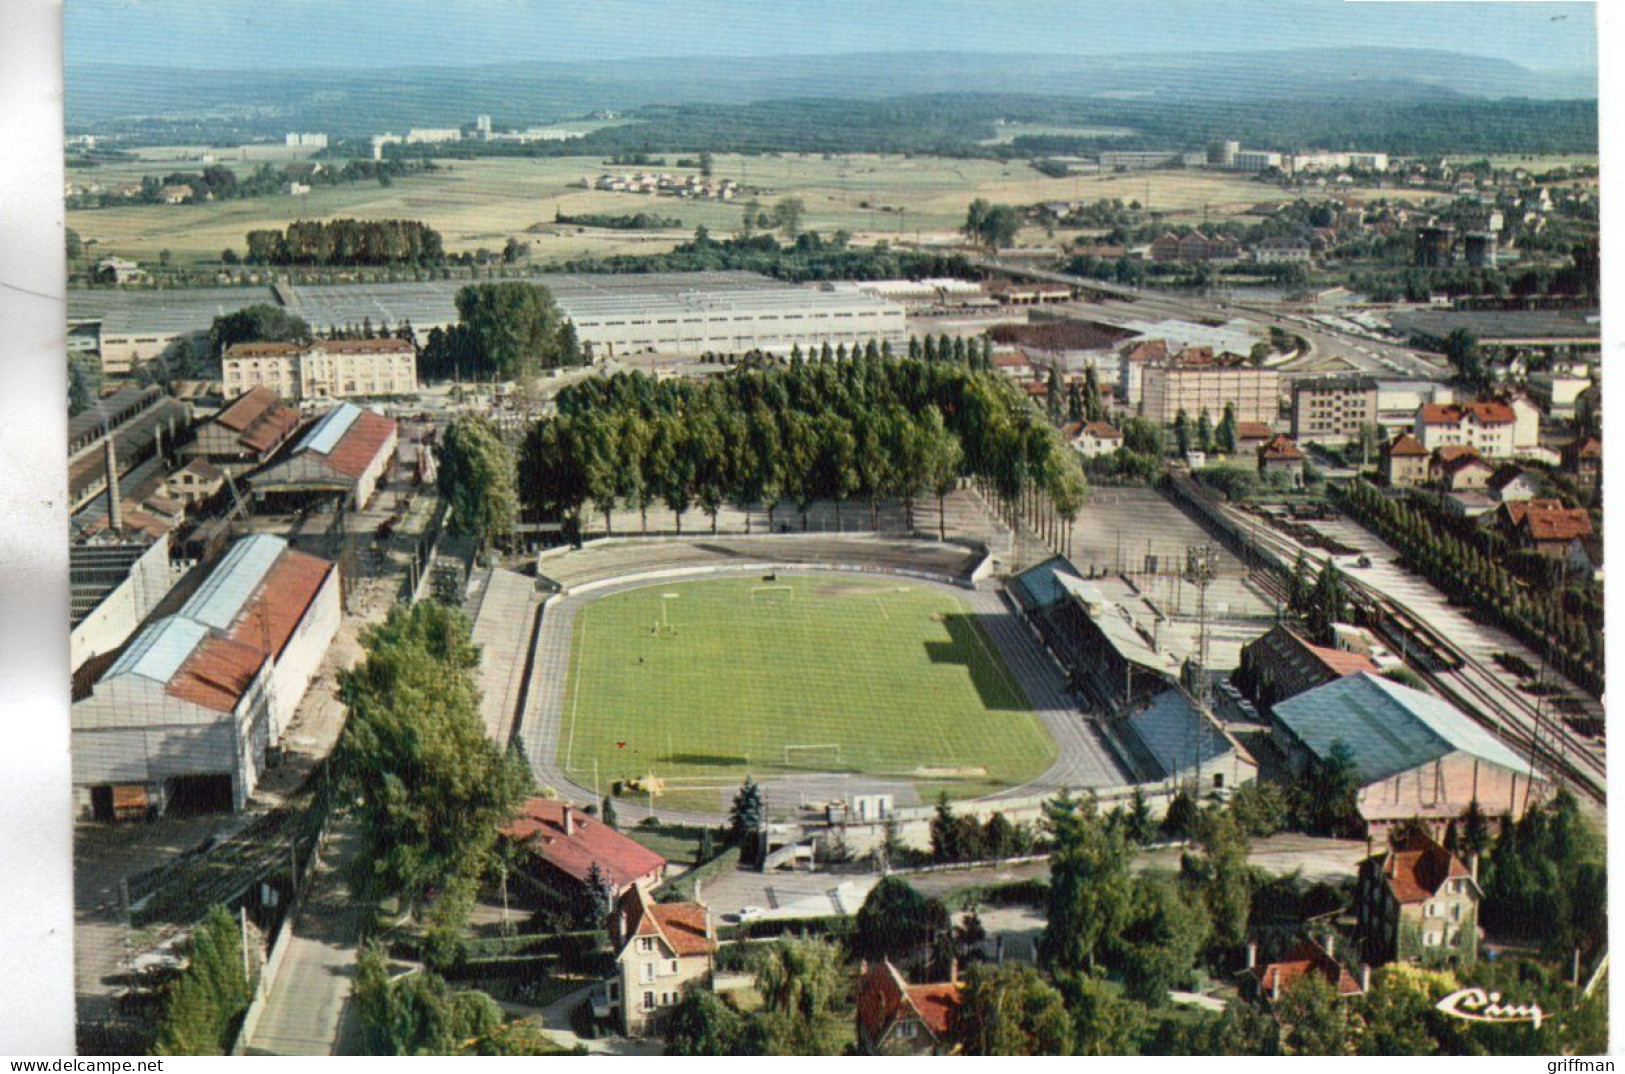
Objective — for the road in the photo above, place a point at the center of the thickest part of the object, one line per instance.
(788, 894)
(306, 1012)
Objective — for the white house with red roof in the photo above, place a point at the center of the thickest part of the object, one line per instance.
(192, 702)
(662, 949)
(1489, 428)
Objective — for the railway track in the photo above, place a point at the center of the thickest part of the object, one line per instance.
(1466, 681)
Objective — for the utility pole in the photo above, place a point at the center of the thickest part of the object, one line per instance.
(1201, 565)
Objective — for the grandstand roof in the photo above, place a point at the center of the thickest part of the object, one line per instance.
(1389, 728)
(1177, 736)
(1039, 583)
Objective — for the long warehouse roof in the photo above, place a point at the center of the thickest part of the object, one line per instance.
(582, 296)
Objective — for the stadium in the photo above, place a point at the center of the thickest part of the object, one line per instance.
(664, 671)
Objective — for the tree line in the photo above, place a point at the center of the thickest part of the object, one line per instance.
(866, 428)
(1537, 616)
(347, 242)
(809, 257)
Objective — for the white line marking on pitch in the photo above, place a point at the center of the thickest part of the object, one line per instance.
(575, 692)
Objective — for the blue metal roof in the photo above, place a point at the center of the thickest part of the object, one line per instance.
(327, 432)
(1040, 584)
(159, 651)
(228, 587)
(1389, 728)
(1176, 735)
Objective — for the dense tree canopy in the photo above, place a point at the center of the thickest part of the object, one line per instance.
(347, 242)
(506, 331)
(431, 789)
(476, 476)
(263, 323)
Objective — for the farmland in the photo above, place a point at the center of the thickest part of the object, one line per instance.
(481, 203)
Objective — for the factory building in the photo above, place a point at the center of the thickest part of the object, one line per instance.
(614, 315)
(112, 587)
(186, 712)
(344, 454)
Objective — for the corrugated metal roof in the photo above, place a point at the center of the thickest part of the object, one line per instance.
(1040, 584)
(159, 651)
(330, 429)
(1390, 728)
(221, 597)
(1176, 735)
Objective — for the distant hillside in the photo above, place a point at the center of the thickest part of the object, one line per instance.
(353, 102)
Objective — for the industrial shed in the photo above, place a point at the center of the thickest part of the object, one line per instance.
(343, 454)
(187, 710)
(1415, 755)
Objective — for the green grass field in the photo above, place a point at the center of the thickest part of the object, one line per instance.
(712, 683)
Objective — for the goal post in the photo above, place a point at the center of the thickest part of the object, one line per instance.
(664, 627)
(775, 594)
(829, 750)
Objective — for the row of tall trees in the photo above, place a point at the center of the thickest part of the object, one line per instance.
(1539, 616)
(205, 1005)
(347, 242)
(430, 789)
(799, 433)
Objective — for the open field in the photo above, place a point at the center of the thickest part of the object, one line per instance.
(484, 202)
(712, 683)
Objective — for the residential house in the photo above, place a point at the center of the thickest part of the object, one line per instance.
(175, 193)
(1417, 902)
(662, 949)
(1582, 457)
(1404, 462)
(1545, 526)
(195, 482)
(1097, 438)
(562, 845)
(1489, 428)
(1250, 436)
(1266, 982)
(1281, 456)
(898, 1018)
(1282, 250)
(1459, 468)
(1512, 483)
(1414, 755)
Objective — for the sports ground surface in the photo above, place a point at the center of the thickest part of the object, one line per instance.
(702, 682)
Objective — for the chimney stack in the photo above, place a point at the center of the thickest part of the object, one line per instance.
(1252, 955)
(115, 510)
(1365, 977)
(953, 971)
(1331, 944)
(1472, 865)
(569, 821)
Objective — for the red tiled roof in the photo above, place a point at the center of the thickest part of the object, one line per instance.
(217, 674)
(935, 1004)
(685, 926)
(364, 346)
(1011, 360)
(260, 418)
(1253, 430)
(1280, 449)
(540, 829)
(1563, 524)
(1101, 430)
(1342, 662)
(1303, 959)
(1152, 350)
(883, 994)
(1454, 458)
(361, 443)
(1417, 865)
(1589, 448)
(273, 613)
(262, 350)
(1492, 413)
(1452, 413)
(1405, 444)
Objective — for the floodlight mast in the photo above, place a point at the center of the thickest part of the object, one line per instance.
(1201, 565)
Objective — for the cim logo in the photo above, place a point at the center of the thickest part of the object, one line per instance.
(1476, 1005)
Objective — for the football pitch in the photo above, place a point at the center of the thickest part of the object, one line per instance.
(701, 683)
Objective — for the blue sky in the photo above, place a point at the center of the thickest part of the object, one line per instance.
(297, 33)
